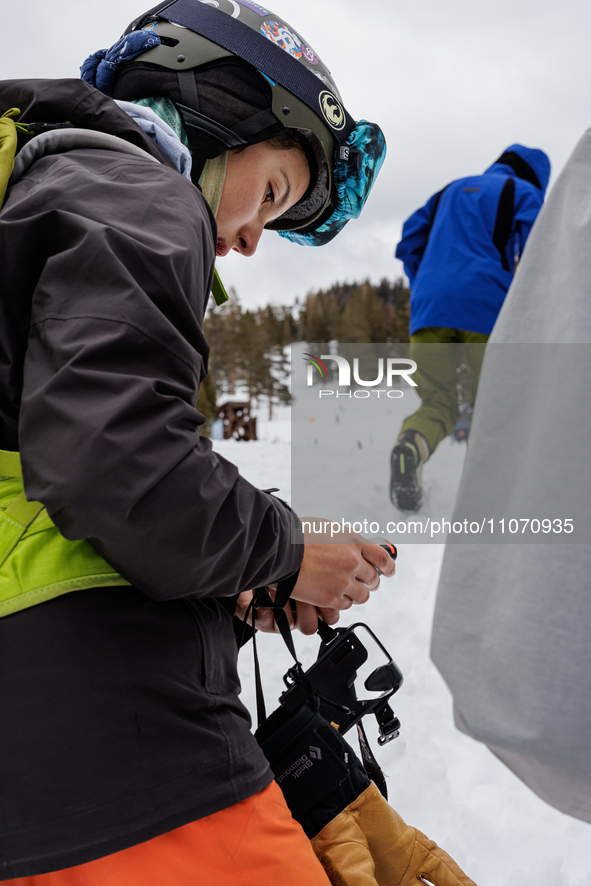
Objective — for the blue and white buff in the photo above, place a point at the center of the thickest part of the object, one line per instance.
(161, 132)
(99, 71)
(353, 179)
(100, 68)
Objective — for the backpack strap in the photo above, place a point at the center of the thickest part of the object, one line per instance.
(20, 513)
(8, 146)
(10, 464)
(504, 220)
(59, 140)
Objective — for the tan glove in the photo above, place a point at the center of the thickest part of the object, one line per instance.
(368, 844)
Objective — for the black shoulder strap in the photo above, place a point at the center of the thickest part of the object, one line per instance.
(504, 220)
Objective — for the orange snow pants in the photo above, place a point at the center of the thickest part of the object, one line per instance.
(254, 843)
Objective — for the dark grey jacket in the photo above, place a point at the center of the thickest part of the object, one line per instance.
(132, 724)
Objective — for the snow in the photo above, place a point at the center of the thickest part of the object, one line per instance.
(341, 459)
(442, 782)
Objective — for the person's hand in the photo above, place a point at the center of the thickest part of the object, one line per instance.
(334, 576)
(301, 616)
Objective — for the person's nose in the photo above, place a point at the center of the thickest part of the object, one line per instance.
(248, 238)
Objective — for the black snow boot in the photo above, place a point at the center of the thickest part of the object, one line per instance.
(406, 463)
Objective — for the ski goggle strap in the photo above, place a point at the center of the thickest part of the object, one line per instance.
(360, 160)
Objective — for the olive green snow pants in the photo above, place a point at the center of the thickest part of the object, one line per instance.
(437, 354)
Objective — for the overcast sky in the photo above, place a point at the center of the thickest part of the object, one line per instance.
(450, 83)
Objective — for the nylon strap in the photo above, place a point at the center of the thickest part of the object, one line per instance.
(258, 683)
(188, 89)
(249, 127)
(284, 589)
(370, 764)
(243, 41)
(261, 597)
(15, 521)
(218, 290)
(10, 464)
(19, 512)
(22, 511)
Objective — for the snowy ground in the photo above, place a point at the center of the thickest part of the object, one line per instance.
(439, 780)
(341, 465)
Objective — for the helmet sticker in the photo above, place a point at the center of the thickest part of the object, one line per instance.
(327, 82)
(283, 37)
(308, 54)
(260, 10)
(332, 110)
(288, 40)
(235, 8)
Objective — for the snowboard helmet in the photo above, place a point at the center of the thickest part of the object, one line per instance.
(238, 75)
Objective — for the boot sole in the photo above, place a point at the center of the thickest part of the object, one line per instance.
(405, 492)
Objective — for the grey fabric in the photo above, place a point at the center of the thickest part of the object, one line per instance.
(61, 140)
(513, 621)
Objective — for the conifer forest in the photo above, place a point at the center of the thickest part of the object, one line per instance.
(249, 355)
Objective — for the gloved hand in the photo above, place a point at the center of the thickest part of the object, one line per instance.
(368, 844)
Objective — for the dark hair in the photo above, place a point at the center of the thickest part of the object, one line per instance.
(287, 141)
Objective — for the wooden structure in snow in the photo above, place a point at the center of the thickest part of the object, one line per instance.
(238, 422)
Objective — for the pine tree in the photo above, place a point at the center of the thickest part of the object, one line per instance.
(248, 347)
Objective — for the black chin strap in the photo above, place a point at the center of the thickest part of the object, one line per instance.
(207, 139)
(197, 125)
(188, 90)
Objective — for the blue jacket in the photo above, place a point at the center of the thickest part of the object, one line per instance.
(458, 275)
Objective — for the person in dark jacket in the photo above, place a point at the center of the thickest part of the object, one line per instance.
(460, 251)
(125, 754)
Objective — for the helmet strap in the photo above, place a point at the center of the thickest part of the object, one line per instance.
(251, 128)
(207, 137)
(188, 89)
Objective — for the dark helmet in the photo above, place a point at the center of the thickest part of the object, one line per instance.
(239, 74)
